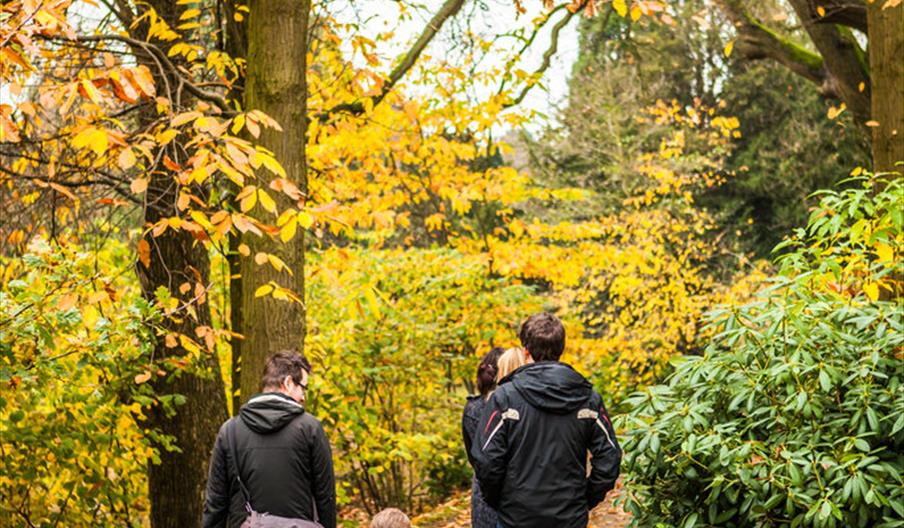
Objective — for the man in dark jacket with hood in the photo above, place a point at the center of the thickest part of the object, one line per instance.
(282, 452)
(535, 434)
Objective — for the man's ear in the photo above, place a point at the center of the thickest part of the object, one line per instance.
(285, 381)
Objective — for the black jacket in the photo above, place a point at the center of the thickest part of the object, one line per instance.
(482, 516)
(532, 445)
(285, 462)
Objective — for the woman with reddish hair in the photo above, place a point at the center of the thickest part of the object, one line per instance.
(482, 516)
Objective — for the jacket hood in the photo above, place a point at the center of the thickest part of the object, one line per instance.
(551, 386)
(269, 412)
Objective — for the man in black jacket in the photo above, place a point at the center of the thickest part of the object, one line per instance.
(283, 454)
(535, 434)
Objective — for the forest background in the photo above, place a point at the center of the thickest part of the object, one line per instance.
(188, 186)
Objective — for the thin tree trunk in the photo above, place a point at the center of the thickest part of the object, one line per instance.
(235, 45)
(235, 318)
(886, 63)
(176, 485)
(275, 84)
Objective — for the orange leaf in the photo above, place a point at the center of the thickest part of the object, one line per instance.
(144, 252)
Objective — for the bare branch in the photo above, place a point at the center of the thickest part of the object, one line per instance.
(850, 13)
(447, 11)
(547, 55)
(165, 64)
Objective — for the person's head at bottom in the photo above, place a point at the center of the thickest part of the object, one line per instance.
(390, 518)
(287, 372)
(543, 336)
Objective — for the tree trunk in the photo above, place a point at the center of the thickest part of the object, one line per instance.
(843, 59)
(176, 485)
(235, 45)
(886, 63)
(275, 84)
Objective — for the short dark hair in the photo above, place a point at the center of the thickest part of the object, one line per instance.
(543, 336)
(281, 364)
(486, 371)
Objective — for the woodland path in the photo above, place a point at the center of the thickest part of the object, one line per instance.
(456, 513)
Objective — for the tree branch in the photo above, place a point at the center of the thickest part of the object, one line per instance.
(850, 13)
(845, 62)
(447, 11)
(757, 41)
(165, 64)
(547, 56)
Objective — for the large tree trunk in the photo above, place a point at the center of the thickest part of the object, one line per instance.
(872, 87)
(886, 63)
(275, 84)
(176, 485)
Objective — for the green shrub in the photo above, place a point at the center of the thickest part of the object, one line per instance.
(76, 348)
(794, 415)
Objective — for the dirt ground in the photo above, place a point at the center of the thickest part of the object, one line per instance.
(456, 513)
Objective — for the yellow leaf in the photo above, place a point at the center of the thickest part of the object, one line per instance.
(90, 91)
(263, 290)
(248, 202)
(198, 175)
(139, 185)
(884, 252)
(143, 377)
(620, 7)
(636, 12)
(203, 123)
(266, 201)
(93, 138)
(890, 4)
(238, 123)
(189, 13)
(260, 258)
(728, 48)
(861, 87)
(821, 11)
(871, 289)
(288, 231)
(872, 123)
(835, 112)
(244, 250)
(372, 301)
(272, 165)
(278, 263)
(166, 136)
(305, 219)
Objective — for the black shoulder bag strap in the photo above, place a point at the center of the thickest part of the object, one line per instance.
(230, 439)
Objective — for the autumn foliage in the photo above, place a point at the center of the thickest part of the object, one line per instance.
(126, 147)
